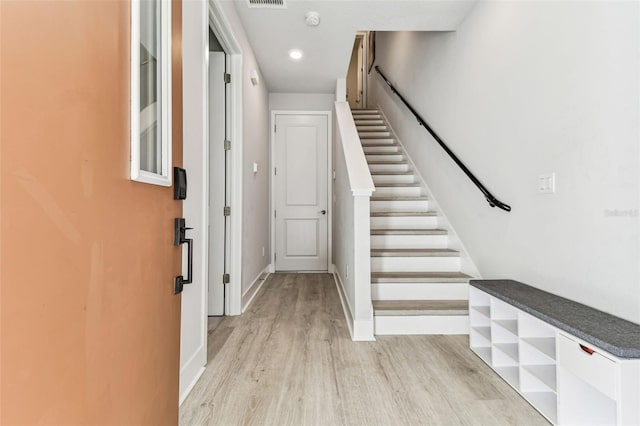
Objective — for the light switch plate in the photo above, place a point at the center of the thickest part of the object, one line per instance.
(547, 183)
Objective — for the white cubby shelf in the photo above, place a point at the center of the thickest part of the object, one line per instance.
(552, 369)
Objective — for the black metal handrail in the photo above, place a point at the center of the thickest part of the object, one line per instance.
(493, 201)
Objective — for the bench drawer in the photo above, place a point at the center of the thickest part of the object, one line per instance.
(595, 369)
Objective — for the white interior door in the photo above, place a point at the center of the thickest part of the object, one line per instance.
(300, 189)
(215, 305)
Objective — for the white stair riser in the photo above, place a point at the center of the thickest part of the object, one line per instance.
(393, 179)
(365, 135)
(385, 157)
(381, 149)
(397, 191)
(372, 128)
(415, 291)
(404, 222)
(421, 324)
(409, 241)
(399, 206)
(415, 264)
(389, 167)
(368, 122)
(377, 141)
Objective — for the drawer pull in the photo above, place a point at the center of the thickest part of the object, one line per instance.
(587, 350)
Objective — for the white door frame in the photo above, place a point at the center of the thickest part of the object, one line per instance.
(193, 329)
(200, 16)
(224, 33)
(272, 198)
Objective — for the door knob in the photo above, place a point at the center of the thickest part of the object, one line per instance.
(323, 211)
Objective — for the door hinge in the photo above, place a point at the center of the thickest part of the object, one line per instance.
(227, 78)
(227, 145)
(275, 256)
(275, 128)
(226, 278)
(275, 171)
(275, 213)
(227, 211)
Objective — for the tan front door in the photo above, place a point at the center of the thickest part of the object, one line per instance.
(90, 324)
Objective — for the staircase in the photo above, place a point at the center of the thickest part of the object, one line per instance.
(417, 286)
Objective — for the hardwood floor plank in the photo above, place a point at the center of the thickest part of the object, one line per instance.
(289, 360)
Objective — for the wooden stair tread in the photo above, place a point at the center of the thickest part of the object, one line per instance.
(397, 185)
(365, 142)
(430, 252)
(375, 139)
(393, 162)
(419, 277)
(399, 198)
(409, 232)
(401, 214)
(420, 307)
(390, 172)
(377, 144)
(383, 153)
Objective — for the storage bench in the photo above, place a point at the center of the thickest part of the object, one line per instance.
(576, 365)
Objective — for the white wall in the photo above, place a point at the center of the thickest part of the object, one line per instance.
(255, 199)
(301, 101)
(343, 208)
(521, 89)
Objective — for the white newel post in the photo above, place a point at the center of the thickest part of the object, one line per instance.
(363, 318)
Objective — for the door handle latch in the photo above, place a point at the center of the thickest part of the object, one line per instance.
(323, 211)
(179, 237)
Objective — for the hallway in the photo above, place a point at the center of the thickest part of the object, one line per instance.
(289, 360)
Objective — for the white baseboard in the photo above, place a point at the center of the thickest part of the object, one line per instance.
(254, 288)
(363, 331)
(343, 301)
(185, 393)
(360, 331)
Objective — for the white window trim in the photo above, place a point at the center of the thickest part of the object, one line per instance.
(164, 178)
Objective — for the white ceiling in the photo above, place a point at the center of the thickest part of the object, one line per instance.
(327, 48)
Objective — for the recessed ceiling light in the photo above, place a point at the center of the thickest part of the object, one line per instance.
(295, 54)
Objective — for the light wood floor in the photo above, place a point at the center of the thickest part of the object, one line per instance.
(289, 361)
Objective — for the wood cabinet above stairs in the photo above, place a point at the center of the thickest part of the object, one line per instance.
(416, 278)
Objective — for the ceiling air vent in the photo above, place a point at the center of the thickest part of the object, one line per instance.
(272, 4)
